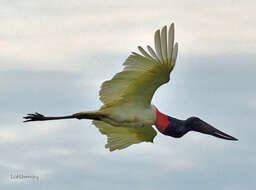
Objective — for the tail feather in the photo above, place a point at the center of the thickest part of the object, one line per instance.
(122, 137)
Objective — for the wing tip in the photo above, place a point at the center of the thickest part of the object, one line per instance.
(159, 53)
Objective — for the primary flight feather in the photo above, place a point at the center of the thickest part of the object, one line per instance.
(127, 114)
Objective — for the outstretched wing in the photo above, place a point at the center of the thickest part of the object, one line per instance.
(143, 74)
(122, 137)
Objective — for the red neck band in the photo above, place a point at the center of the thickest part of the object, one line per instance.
(161, 121)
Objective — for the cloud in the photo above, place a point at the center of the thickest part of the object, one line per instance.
(46, 33)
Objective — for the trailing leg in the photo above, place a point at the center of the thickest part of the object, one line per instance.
(81, 115)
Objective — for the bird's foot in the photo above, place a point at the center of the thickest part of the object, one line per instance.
(34, 117)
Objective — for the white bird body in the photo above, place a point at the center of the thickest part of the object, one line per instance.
(127, 114)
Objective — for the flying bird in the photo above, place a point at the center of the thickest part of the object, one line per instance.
(127, 115)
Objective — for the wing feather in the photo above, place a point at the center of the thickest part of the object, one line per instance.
(158, 46)
(121, 137)
(164, 43)
(152, 52)
(170, 42)
(142, 74)
(144, 53)
(175, 53)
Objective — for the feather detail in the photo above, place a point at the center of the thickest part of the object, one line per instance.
(152, 52)
(142, 74)
(170, 42)
(164, 44)
(158, 46)
(121, 137)
(175, 53)
(145, 53)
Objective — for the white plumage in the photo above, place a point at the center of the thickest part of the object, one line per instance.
(127, 108)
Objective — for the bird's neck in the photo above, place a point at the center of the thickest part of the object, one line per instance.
(170, 126)
(162, 121)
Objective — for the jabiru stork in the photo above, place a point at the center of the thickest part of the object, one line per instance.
(127, 115)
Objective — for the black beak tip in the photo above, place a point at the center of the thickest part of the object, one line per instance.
(203, 127)
(222, 135)
(232, 139)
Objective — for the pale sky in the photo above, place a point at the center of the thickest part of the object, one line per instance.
(54, 56)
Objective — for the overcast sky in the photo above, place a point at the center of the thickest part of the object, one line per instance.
(55, 54)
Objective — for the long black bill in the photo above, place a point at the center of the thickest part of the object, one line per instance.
(203, 127)
(223, 135)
